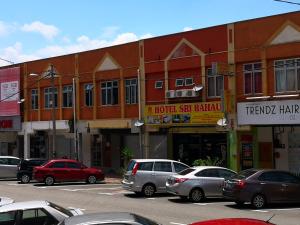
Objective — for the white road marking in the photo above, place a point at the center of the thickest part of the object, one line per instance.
(90, 189)
(258, 210)
(151, 198)
(268, 210)
(103, 193)
(177, 223)
(208, 203)
(76, 185)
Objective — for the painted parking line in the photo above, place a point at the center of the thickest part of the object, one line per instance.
(177, 223)
(75, 185)
(91, 189)
(268, 210)
(105, 193)
(209, 203)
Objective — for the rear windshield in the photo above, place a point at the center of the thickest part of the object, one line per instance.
(130, 165)
(144, 221)
(61, 209)
(244, 174)
(186, 171)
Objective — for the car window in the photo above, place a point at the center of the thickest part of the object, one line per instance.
(12, 161)
(146, 166)
(226, 174)
(208, 173)
(179, 167)
(288, 178)
(73, 165)
(8, 218)
(143, 220)
(244, 174)
(186, 171)
(270, 176)
(60, 209)
(130, 165)
(163, 166)
(37, 216)
(58, 165)
(3, 161)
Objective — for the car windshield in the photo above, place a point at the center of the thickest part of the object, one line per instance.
(61, 209)
(186, 171)
(144, 221)
(244, 174)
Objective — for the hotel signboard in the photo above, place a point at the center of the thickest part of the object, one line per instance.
(205, 113)
(269, 112)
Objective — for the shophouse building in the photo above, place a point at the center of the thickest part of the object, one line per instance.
(229, 92)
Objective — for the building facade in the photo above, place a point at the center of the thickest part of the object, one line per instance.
(229, 92)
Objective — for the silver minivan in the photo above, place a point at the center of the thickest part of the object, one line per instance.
(149, 176)
(9, 166)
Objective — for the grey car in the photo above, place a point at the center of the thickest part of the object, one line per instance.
(149, 176)
(9, 166)
(34, 213)
(108, 218)
(199, 182)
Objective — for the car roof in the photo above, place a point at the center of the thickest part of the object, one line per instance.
(232, 221)
(11, 157)
(209, 167)
(101, 217)
(63, 160)
(23, 205)
(151, 160)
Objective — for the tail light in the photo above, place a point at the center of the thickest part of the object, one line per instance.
(241, 184)
(180, 180)
(135, 169)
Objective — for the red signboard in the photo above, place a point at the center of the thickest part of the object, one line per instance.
(9, 91)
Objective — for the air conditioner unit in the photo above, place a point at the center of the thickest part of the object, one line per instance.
(170, 94)
(180, 93)
(191, 93)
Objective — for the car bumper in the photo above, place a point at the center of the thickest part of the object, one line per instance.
(177, 190)
(236, 195)
(130, 186)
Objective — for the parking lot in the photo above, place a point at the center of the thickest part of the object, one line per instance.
(164, 208)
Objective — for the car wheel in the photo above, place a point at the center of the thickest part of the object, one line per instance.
(196, 195)
(91, 179)
(25, 178)
(258, 201)
(49, 181)
(148, 190)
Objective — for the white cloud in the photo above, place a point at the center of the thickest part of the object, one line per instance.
(145, 36)
(6, 28)
(48, 31)
(187, 29)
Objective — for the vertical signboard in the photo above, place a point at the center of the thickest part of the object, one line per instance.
(9, 91)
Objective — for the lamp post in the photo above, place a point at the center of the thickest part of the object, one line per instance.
(51, 73)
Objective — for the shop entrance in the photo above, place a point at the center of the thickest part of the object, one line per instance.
(189, 147)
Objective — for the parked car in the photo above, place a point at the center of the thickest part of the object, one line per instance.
(108, 218)
(233, 221)
(5, 201)
(61, 170)
(149, 176)
(9, 166)
(199, 182)
(25, 168)
(34, 213)
(263, 186)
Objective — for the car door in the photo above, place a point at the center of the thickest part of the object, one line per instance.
(162, 170)
(292, 187)
(58, 171)
(224, 174)
(75, 171)
(37, 217)
(210, 182)
(12, 166)
(8, 218)
(4, 168)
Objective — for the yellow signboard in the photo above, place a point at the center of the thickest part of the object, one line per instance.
(187, 113)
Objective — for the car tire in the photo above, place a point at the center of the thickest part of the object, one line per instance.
(196, 195)
(91, 179)
(148, 190)
(49, 181)
(258, 201)
(25, 178)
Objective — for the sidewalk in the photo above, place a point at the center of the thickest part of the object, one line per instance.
(113, 179)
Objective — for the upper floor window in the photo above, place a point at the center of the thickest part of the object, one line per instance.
(287, 75)
(215, 84)
(68, 96)
(88, 94)
(179, 82)
(110, 92)
(131, 86)
(48, 97)
(189, 81)
(34, 99)
(159, 84)
(252, 78)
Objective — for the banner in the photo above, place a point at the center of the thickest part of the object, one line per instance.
(9, 91)
(186, 113)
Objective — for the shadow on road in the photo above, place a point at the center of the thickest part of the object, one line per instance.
(248, 206)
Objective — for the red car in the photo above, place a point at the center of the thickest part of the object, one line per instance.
(233, 221)
(59, 170)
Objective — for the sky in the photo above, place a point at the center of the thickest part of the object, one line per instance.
(35, 29)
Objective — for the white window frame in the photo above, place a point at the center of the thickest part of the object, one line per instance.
(159, 84)
(88, 94)
(189, 81)
(131, 91)
(214, 78)
(34, 99)
(179, 82)
(252, 73)
(48, 97)
(67, 94)
(107, 89)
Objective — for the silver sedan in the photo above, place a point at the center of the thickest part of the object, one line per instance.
(199, 182)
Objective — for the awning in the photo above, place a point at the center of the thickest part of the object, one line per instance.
(110, 123)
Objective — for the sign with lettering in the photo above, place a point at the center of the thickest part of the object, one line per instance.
(269, 112)
(10, 123)
(180, 114)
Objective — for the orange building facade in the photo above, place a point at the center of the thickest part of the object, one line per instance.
(229, 92)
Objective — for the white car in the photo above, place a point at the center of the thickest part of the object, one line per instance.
(5, 201)
(34, 213)
(9, 166)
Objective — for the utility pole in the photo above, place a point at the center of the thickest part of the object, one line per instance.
(52, 74)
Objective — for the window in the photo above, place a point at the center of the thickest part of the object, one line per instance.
(226, 174)
(215, 84)
(8, 218)
(179, 82)
(88, 94)
(109, 90)
(163, 166)
(131, 86)
(12, 161)
(37, 216)
(159, 84)
(48, 97)
(287, 75)
(145, 166)
(73, 165)
(58, 165)
(208, 173)
(68, 96)
(252, 78)
(179, 167)
(189, 81)
(34, 99)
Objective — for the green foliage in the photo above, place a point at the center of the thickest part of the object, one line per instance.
(208, 162)
(127, 154)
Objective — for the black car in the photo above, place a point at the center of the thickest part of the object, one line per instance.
(25, 168)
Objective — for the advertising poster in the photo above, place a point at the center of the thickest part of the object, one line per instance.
(9, 91)
(187, 113)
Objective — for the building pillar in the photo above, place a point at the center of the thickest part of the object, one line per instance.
(232, 150)
(26, 145)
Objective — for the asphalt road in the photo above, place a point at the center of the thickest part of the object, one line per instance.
(165, 209)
